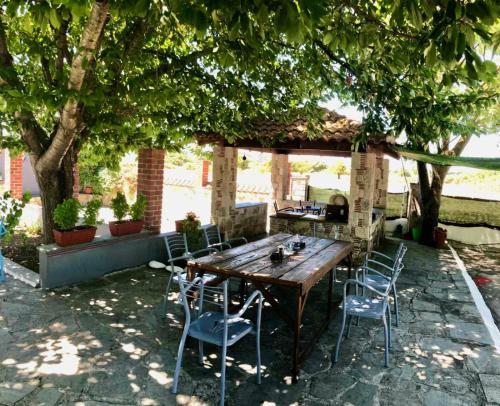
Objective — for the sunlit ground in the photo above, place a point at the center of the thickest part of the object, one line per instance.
(106, 341)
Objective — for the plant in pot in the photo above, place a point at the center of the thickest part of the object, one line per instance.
(121, 209)
(191, 227)
(66, 217)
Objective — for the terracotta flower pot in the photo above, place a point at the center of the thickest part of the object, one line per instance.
(440, 235)
(78, 235)
(119, 228)
(179, 226)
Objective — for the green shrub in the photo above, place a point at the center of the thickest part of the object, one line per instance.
(138, 208)
(11, 210)
(66, 214)
(120, 206)
(91, 212)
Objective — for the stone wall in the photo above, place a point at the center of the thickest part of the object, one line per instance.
(224, 174)
(250, 220)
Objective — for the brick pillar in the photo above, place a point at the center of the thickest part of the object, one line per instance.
(361, 202)
(224, 175)
(280, 177)
(205, 169)
(16, 176)
(381, 182)
(150, 184)
(76, 181)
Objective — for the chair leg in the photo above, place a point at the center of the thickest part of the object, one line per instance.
(389, 324)
(178, 364)
(258, 358)
(165, 299)
(349, 327)
(386, 336)
(396, 307)
(223, 375)
(200, 352)
(339, 339)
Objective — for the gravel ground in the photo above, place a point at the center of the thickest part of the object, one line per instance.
(484, 260)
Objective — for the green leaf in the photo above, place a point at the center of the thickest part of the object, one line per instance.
(328, 38)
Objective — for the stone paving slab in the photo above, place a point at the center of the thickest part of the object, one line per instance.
(105, 342)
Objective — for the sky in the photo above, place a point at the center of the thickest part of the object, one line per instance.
(486, 146)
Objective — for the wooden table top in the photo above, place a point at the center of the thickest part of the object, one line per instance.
(252, 261)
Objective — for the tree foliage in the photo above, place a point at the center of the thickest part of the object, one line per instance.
(122, 75)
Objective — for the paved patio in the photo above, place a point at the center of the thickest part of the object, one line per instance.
(104, 343)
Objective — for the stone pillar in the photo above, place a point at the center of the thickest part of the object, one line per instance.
(150, 184)
(279, 177)
(381, 182)
(361, 202)
(16, 176)
(205, 169)
(224, 173)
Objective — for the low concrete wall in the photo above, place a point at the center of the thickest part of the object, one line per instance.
(60, 266)
(472, 235)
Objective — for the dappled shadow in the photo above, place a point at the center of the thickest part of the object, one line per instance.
(107, 341)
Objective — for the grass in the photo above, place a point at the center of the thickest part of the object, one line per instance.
(453, 210)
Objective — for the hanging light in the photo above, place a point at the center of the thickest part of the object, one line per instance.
(244, 156)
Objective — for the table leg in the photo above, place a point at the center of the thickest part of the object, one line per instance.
(296, 335)
(330, 294)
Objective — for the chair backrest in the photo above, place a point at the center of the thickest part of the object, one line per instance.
(398, 267)
(176, 245)
(212, 234)
(197, 293)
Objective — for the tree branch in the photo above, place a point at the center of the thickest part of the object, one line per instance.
(46, 71)
(31, 132)
(62, 49)
(80, 68)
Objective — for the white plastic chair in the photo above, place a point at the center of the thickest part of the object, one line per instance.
(218, 328)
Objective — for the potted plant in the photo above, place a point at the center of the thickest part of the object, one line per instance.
(121, 209)
(191, 227)
(66, 217)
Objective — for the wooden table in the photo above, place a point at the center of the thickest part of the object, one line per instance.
(300, 272)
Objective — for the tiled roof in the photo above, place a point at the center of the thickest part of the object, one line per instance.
(334, 128)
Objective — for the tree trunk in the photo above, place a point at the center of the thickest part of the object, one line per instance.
(431, 200)
(55, 186)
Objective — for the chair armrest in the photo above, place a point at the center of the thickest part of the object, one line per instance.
(382, 255)
(186, 257)
(372, 261)
(359, 283)
(233, 240)
(220, 246)
(256, 294)
(371, 270)
(205, 251)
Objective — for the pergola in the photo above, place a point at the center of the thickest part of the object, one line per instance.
(333, 136)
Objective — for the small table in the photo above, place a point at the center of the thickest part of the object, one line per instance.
(300, 272)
